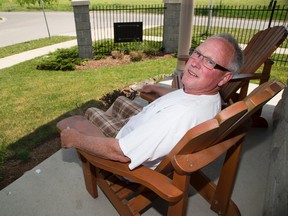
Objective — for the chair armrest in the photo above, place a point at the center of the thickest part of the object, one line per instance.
(151, 179)
(188, 163)
(247, 76)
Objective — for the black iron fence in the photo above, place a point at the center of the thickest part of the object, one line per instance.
(240, 21)
(127, 27)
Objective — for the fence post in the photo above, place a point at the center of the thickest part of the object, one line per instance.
(272, 13)
(171, 25)
(83, 28)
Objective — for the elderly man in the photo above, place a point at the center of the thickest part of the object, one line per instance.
(150, 135)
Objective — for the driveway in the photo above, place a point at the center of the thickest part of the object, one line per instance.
(16, 27)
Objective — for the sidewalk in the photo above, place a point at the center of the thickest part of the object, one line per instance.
(21, 57)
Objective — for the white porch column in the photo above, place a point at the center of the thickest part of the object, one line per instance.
(185, 32)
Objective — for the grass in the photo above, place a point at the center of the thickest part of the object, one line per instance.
(31, 101)
(280, 72)
(65, 5)
(34, 44)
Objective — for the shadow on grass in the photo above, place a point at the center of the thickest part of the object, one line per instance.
(21, 148)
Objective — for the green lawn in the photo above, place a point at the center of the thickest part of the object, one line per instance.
(30, 100)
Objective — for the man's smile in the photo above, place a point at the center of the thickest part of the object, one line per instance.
(192, 73)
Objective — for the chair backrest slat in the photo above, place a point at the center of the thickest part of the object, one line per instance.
(258, 50)
(263, 46)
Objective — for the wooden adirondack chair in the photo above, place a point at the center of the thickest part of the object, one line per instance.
(256, 53)
(200, 146)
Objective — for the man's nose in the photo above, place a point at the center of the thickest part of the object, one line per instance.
(196, 62)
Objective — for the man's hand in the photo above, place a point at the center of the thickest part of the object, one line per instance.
(70, 137)
(159, 90)
(147, 89)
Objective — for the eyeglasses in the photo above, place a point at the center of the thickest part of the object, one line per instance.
(207, 62)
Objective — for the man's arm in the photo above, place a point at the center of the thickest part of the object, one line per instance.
(159, 90)
(104, 147)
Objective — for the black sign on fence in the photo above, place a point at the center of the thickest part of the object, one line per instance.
(128, 32)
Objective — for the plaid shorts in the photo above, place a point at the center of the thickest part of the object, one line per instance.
(122, 110)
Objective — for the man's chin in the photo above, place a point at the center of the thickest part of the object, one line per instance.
(188, 81)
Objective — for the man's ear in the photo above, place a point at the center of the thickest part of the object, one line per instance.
(225, 78)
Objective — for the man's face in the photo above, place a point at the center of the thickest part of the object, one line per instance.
(197, 78)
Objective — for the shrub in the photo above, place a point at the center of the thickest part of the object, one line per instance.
(153, 52)
(109, 98)
(128, 91)
(117, 54)
(61, 59)
(105, 47)
(99, 56)
(136, 56)
(23, 155)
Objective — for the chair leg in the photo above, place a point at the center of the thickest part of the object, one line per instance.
(222, 197)
(206, 188)
(219, 196)
(266, 71)
(89, 173)
(180, 208)
(243, 91)
(259, 121)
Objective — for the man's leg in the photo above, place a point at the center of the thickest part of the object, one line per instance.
(110, 123)
(124, 108)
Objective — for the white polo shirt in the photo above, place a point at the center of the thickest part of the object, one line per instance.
(151, 134)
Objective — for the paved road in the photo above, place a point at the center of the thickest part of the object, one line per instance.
(16, 27)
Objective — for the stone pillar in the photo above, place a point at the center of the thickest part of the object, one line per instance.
(83, 28)
(171, 25)
(276, 197)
